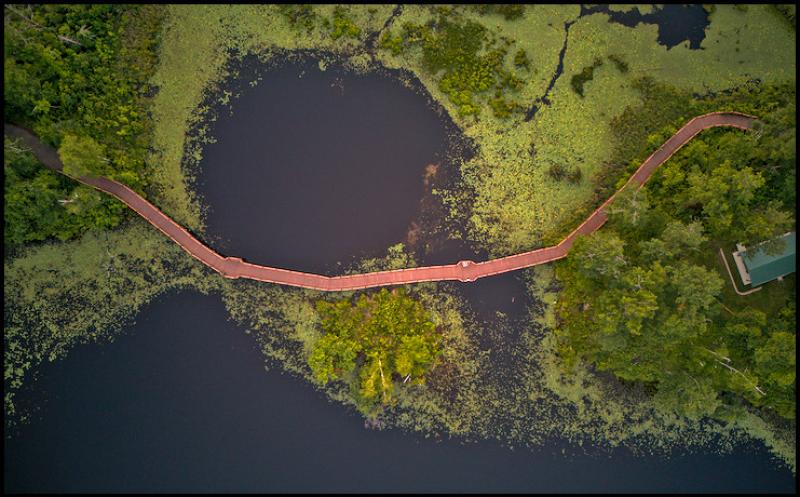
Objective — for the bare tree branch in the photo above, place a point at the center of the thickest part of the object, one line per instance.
(39, 26)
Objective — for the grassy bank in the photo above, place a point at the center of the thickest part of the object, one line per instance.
(517, 201)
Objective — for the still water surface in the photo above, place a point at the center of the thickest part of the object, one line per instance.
(181, 402)
(315, 168)
(328, 167)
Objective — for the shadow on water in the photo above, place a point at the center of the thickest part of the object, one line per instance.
(181, 403)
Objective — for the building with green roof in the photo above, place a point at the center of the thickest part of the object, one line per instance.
(756, 267)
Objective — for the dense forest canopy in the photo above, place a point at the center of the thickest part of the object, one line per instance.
(378, 342)
(75, 73)
(374, 344)
(644, 297)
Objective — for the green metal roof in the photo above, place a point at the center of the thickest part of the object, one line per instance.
(763, 268)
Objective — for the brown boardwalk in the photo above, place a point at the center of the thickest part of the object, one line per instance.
(234, 267)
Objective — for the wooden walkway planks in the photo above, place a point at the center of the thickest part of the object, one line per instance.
(234, 267)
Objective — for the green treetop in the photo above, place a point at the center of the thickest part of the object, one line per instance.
(381, 340)
(82, 156)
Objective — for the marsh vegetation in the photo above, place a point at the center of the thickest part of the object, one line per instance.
(641, 359)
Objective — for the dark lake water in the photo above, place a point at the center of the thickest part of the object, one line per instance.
(304, 175)
(181, 402)
(317, 167)
(676, 23)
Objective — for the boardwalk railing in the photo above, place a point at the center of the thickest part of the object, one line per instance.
(234, 267)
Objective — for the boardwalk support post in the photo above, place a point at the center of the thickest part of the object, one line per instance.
(463, 268)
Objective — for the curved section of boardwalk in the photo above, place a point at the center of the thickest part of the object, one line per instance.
(234, 267)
